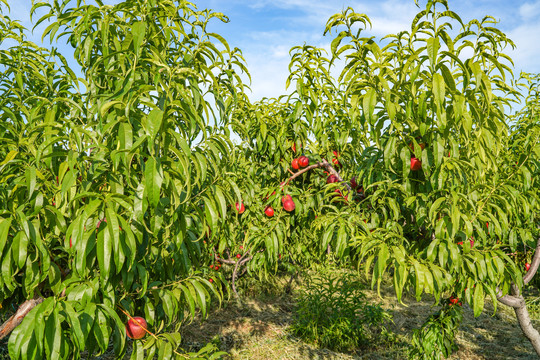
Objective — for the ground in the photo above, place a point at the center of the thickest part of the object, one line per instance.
(258, 329)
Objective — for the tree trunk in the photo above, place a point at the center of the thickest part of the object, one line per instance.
(517, 301)
(525, 323)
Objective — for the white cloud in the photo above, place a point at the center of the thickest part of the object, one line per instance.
(530, 10)
(267, 52)
(527, 51)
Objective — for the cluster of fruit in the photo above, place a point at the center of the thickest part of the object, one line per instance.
(286, 201)
(300, 162)
(454, 301)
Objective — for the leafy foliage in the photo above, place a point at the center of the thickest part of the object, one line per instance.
(106, 181)
(435, 340)
(119, 189)
(333, 313)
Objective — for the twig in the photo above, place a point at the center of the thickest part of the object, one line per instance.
(224, 261)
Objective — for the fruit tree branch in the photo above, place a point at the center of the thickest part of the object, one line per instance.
(510, 300)
(535, 263)
(325, 164)
(304, 170)
(224, 261)
(517, 301)
(237, 265)
(18, 317)
(240, 262)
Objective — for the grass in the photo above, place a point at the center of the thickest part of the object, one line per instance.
(259, 329)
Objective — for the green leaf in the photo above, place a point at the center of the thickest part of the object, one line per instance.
(104, 253)
(107, 106)
(153, 181)
(125, 135)
(438, 89)
(327, 236)
(448, 78)
(153, 123)
(9, 157)
(222, 203)
(31, 181)
(433, 46)
(138, 30)
(53, 335)
(434, 208)
(4, 231)
(68, 181)
(478, 299)
(210, 213)
(368, 105)
(75, 324)
(188, 297)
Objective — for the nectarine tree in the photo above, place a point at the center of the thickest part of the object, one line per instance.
(477, 164)
(105, 179)
(120, 189)
(422, 123)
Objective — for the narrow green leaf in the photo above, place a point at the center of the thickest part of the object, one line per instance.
(478, 299)
(138, 30)
(438, 89)
(153, 181)
(153, 123)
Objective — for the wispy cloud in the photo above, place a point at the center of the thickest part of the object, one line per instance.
(530, 10)
(527, 50)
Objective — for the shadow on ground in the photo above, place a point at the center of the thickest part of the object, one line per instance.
(258, 329)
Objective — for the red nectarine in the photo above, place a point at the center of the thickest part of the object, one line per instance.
(136, 328)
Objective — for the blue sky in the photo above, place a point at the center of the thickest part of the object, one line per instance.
(265, 30)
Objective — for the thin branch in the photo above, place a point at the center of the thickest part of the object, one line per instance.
(516, 300)
(237, 265)
(300, 172)
(324, 164)
(224, 261)
(234, 281)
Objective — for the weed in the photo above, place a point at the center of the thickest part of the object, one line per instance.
(333, 313)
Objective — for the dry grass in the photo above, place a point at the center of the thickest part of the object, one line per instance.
(258, 329)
